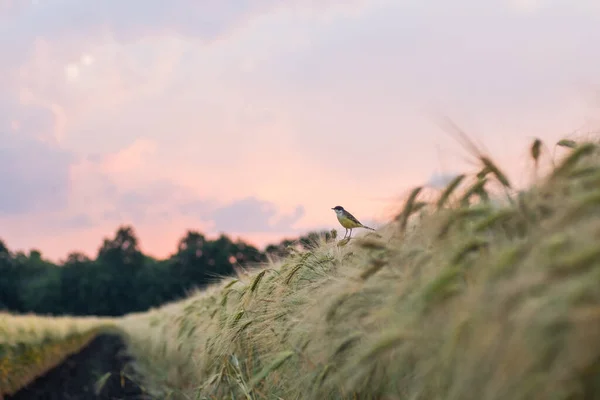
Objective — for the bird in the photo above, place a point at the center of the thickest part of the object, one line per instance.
(348, 221)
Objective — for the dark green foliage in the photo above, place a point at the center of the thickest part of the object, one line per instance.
(121, 279)
(306, 242)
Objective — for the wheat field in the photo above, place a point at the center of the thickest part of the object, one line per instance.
(31, 345)
(483, 292)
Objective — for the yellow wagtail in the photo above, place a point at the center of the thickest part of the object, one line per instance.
(348, 221)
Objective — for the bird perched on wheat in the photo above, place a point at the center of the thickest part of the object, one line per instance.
(348, 221)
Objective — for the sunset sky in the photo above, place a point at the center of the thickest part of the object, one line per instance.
(255, 117)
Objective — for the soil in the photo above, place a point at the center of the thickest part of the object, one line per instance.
(76, 377)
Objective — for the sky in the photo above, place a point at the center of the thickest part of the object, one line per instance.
(255, 117)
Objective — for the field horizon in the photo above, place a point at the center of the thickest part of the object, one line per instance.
(476, 291)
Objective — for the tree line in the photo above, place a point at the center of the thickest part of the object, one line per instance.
(121, 279)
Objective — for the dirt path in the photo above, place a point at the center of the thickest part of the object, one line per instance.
(75, 378)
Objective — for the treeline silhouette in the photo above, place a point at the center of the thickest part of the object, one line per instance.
(121, 279)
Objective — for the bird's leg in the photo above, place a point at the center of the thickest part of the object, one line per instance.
(345, 233)
(350, 233)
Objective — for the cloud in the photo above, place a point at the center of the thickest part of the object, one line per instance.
(62, 19)
(173, 114)
(526, 6)
(164, 200)
(134, 19)
(35, 178)
(34, 172)
(157, 200)
(254, 215)
(440, 181)
(61, 51)
(77, 221)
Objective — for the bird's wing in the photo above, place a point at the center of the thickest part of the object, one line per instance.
(352, 218)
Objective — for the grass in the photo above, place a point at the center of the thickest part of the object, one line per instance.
(477, 294)
(30, 345)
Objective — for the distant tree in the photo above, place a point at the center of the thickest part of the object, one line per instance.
(124, 247)
(3, 249)
(304, 242)
(222, 254)
(39, 283)
(199, 261)
(78, 284)
(9, 279)
(121, 279)
(246, 254)
(121, 260)
(189, 264)
(154, 284)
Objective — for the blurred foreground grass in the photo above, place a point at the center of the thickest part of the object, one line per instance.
(30, 345)
(481, 293)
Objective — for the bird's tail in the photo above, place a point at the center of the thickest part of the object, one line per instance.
(368, 227)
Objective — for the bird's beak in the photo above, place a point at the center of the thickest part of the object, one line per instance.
(332, 208)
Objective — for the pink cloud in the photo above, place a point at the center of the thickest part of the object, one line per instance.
(169, 119)
(131, 158)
